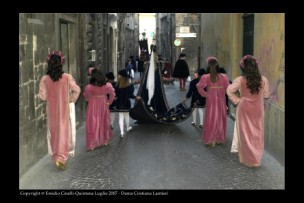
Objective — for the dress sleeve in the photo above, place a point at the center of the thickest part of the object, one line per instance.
(111, 92)
(226, 81)
(75, 89)
(201, 85)
(266, 87)
(232, 90)
(42, 89)
(87, 93)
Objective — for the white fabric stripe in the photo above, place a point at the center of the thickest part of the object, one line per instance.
(72, 129)
(150, 79)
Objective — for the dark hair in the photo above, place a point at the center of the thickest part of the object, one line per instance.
(215, 73)
(97, 78)
(152, 48)
(252, 75)
(110, 76)
(217, 68)
(222, 70)
(54, 69)
(182, 55)
(201, 71)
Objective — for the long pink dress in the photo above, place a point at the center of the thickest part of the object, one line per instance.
(215, 120)
(249, 120)
(98, 124)
(58, 115)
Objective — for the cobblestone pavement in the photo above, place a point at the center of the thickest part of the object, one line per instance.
(156, 157)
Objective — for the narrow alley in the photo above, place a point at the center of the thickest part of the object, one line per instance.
(156, 157)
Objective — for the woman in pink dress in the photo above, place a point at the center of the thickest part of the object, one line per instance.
(98, 124)
(55, 88)
(253, 88)
(215, 122)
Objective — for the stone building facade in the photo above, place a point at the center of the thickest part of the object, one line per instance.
(185, 23)
(164, 38)
(76, 35)
(128, 36)
(168, 25)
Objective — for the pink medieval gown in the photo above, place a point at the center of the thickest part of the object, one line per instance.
(98, 124)
(249, 120)
(57, 95)
(215, 120)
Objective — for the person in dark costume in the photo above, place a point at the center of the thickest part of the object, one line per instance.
(133, 62)
(155, 105)
(141, 62)
(197, 101)
(124, 91)
(181, 71)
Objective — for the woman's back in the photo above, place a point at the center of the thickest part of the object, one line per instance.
(98, 90)
(245, 91)
(57, 90)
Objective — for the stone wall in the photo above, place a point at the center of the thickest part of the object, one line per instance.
(34, 30)
(188, 44)
(38, 35)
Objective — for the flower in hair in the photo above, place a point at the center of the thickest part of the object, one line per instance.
(90, 70)
(211, 58)
(242, 62)
(56, 52)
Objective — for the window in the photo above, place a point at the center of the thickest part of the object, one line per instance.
(64, 44)
(248, 20)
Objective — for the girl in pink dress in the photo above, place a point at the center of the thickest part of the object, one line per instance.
(215, 121)
(98, 124)
(253, 88)
(55, 88)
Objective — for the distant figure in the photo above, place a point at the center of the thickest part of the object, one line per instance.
(160, 63)
(141, 61)
(181, 71)
(136, 60)
(253, 88)
(133, 62)
(215, 120)
(55, 88)
(167, 69)
(197, 101)
(98, 125)
(130, 70)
